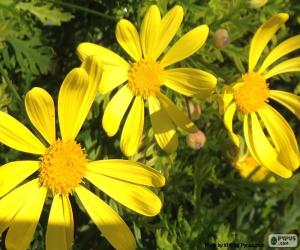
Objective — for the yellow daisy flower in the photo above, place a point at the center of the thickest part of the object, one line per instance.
(147, 74)
(268, 136)
(63, 167)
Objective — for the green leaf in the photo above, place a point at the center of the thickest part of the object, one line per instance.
(4, 96)
(6, 3)
(47, 13)
(30, 54)
(6, 29)
(238, 55)
(224, 236)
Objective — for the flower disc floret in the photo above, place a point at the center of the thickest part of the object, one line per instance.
(62, 167)
(252, 93)
(145, 78)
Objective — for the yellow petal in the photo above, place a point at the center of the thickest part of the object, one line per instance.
(290, 101)
(261, 174)
(94, 67)
(291, 65)
(76, 96)
(150, 29)
(264, 151)
(249, 138)
(228, 117)
(56, 234)
(135, 197)
(107, 220)
(133, 128)
(169, 26)
(69, 221)
(187, 45)
(190, 82)
(282, 136)
(17, 197)
(281, 50)
(107, 56)
(71, 95)
(128, 38)
(40, 110)
(177, 116)
(115, 68)
(15, 135)
(23, 225)
(262, 37)
(248, 167)
(129, 171)
(164, 129)
(60, 225)
(224, 99)
(116, 109)
(14, 173)
(112, 77)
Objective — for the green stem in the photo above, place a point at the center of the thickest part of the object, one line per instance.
(87, 10)
(10, 85)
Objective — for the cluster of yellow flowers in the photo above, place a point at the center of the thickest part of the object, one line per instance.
(63, 166)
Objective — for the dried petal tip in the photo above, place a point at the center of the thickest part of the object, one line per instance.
(195, 110)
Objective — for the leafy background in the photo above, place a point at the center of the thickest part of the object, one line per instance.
(205, 199)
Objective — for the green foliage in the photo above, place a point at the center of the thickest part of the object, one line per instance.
(205, 200)
(22, 46)
(4, 96)
(31, 55)
(46, 13)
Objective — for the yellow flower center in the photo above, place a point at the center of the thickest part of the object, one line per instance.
(62, 167)
(145, 77)
(252, 94)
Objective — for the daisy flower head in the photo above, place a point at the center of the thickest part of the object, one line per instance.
(63, 168)
(269, 138)
(147, 74)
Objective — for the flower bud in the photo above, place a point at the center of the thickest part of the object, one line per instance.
(195, 110)
(221, 38)
(196, 140)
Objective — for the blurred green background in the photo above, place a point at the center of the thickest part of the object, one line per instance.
(205, 199)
